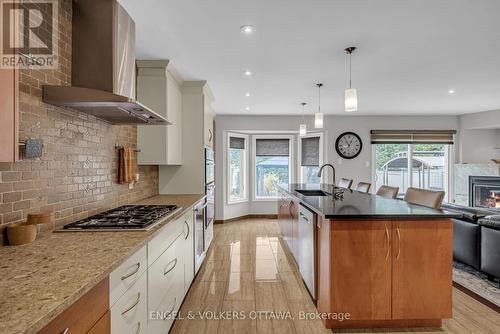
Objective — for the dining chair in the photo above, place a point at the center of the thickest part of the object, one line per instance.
(363, 187)
(388, 192)
(345, 183)
(424, 197)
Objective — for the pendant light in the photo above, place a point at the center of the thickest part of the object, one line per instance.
(351, 94)
(318, 117)
(303, 126)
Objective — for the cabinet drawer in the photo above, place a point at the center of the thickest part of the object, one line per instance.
(165, 273)
(83, 314)
(162, 316)
(129, 313)
(164, 239)
(126, 274)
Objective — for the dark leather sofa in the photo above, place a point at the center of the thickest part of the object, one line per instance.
(467, 242)
(490, 245)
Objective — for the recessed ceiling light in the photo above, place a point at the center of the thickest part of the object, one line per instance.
(451, 91)
(247, 29)
(247, 108)
(248, 73)
(247, 94)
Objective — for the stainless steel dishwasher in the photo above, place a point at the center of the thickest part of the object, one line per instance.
(307, 247)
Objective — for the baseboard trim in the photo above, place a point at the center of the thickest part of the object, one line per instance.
(263, 216)
(477, 297)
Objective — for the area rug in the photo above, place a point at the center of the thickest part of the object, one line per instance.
(476, 282)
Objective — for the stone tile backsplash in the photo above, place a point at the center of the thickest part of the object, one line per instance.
(76, 175)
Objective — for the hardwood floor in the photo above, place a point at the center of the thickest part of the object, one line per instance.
(249, 272)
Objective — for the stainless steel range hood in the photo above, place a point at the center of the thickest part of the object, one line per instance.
(103, 66)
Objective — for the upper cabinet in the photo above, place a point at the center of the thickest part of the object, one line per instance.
(9, 115)
(159, 87)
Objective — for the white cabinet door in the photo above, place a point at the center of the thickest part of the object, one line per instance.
(188, 253)
(130, 313)
(160, 90)
(166, 287)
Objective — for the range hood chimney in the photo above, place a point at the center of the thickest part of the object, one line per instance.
(103, 66)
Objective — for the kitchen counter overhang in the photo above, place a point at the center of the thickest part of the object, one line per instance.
(356, 205)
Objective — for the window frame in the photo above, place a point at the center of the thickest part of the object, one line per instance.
(449, 158)
(244, 168)
(291, 163)
(299, 154)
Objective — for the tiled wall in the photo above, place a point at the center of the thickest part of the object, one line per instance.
(76, 176)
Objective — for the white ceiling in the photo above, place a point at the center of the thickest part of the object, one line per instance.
(410, 53)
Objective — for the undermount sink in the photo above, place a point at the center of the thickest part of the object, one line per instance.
(313, 192)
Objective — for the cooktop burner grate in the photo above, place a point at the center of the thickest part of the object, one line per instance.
(127, 217)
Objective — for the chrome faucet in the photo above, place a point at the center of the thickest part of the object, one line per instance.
(321, 171)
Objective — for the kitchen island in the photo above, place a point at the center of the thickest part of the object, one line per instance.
(379, 262)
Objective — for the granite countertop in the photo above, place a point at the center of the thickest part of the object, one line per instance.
(358, 205)
(40, 280)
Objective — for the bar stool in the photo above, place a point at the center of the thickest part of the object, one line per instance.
(388, 192)
(424, 197)
(363, 187)
(345, 183)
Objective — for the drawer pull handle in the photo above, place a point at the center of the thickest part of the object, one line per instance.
(203, 207)
(188, 232)
(388, 243)
(174, 261)
(137, 266)
(66, 331)
(128, 309)
(399, 243)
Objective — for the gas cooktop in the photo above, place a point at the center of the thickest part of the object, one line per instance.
(127, 217)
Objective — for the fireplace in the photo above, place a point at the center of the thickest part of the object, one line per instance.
(484, 192)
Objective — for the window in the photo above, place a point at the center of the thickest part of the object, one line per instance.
(272, 164)
(311, 158)
(236, 158)
(429, 167)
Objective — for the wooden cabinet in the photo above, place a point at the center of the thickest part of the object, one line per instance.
(9, 115)
(294, 227)
(385, 273)
(102, 326)
(288, 218)
(361, 269)
(421, 270)
(85, 315)
(159, 87)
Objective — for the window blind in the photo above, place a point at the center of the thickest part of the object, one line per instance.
(310, 151)
(237, 143)
(272, 147)
(412, 136)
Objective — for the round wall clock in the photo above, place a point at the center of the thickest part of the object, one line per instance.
(348, 145)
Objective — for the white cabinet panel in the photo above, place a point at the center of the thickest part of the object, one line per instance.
(123, 277)
(129, 313)
(159, 89)
(188, 245)
(164, 239)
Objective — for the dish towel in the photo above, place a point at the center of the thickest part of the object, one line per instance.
(126, 165)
